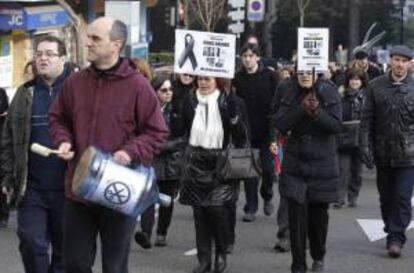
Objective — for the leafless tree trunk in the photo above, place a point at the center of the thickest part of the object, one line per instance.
(207, 12)
(76, 23)
(302, 5)
(354, 19)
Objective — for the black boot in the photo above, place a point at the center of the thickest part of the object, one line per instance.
(220, 263)
(202, 267)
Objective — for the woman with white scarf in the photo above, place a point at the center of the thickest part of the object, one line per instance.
(211, 117)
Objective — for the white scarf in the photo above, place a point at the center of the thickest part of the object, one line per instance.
(207, 128)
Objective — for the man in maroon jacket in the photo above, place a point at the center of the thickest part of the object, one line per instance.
(110, 106)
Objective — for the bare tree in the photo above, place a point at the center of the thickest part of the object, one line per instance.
(302, 5)
(207, 12)
(76, 23)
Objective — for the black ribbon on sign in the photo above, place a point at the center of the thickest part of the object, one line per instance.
(188, 52)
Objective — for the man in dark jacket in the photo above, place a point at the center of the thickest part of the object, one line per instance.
(361, 61)
(111, 106)
(35, 183)
(308, 114)
(387, 139)
(256, 85)
(4, 208)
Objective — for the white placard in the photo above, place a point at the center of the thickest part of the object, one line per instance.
(6, 71)
(204, 53)
(313, 49)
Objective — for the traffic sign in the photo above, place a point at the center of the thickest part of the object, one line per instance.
(236, 3)
(236, 15)
(255, 10)
(236, 27)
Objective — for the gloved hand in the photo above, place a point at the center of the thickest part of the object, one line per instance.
(366, 157)
(311, 104)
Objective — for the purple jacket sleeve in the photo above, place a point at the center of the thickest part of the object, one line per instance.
(152, 131)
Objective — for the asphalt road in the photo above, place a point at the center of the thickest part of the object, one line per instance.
(348, 250)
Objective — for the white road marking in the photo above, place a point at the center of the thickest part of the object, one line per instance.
(374, 228)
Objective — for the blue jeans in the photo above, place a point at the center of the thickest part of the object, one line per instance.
(395, 187)
(39, 224)
(251, 185)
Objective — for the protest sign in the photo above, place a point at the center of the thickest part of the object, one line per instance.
(313, 49)
(204, 53)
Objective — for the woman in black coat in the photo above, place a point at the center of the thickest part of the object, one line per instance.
(167, 168)
(308, 115)
(210, 118)
(349, 153)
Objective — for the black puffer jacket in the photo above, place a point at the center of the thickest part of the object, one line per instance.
(387, 126)
(200, 185)
(310, 169)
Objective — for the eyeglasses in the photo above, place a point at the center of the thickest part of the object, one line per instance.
(48, 54)
(187, 75)
(165, 90)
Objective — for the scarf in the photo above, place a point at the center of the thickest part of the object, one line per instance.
(207, 128)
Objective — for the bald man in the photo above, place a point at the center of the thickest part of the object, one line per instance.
(110, 106)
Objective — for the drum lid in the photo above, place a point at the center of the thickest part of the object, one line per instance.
(82, 170)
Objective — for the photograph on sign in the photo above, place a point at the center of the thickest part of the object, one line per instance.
(204, 53)
(313, 49)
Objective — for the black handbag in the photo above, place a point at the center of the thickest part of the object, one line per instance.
(239, 163)
(349, 138)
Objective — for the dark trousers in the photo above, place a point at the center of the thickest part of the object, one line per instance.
(282, 219)
(39, 225)
(232, 212)
(164, 213)
(210, 223)
(351, 176)
(395, 187)
(4, 208)
(81, 225)
(251, 185)
(309, 220)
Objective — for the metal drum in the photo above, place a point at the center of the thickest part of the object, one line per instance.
(102, 181)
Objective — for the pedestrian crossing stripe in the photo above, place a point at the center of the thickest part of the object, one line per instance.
(374, 228)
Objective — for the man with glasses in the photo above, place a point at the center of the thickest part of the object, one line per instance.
(307, 113)
(35, 183)
(387, 139)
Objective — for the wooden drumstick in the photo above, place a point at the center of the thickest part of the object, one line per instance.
(44, 151)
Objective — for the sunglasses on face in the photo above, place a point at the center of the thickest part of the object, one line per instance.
(165, 90)
(188, 75)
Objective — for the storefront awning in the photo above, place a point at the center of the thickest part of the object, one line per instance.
(30, 18)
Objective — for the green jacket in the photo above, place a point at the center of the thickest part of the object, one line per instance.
(15, 142)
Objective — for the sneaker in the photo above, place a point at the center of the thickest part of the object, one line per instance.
(283, 245)
(143, 240)
(318, 266)
(338, 205)
(161, 240)
(230, 249)
(268, 208)
(352, 203)
(394, 250)
(249, 217)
